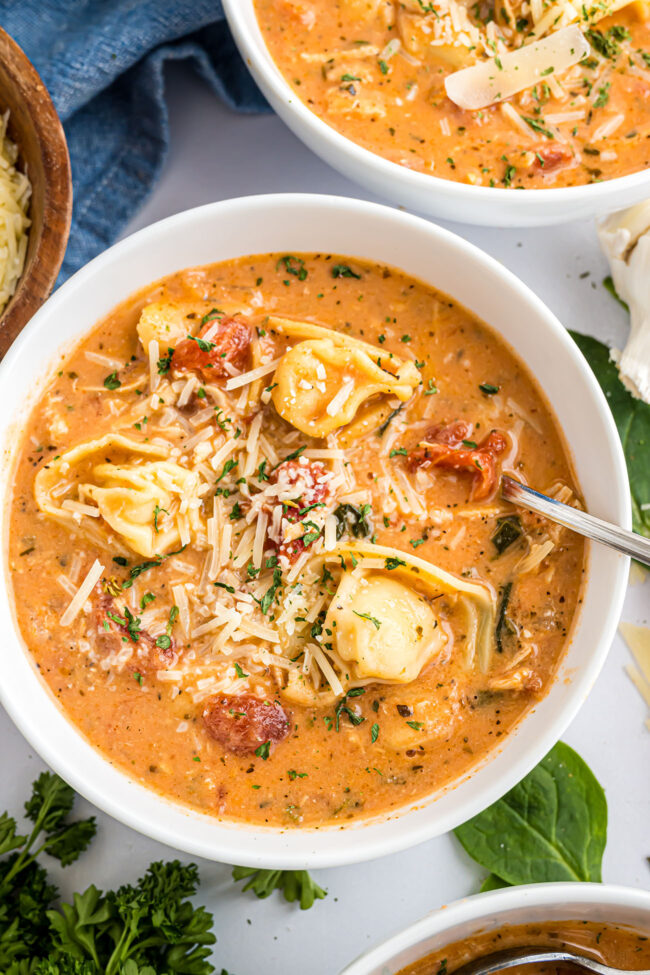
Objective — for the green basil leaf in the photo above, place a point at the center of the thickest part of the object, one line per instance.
(552, 826)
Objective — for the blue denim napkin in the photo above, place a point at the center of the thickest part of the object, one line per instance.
(103, 61)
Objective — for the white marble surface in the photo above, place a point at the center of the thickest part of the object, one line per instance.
(215, 155)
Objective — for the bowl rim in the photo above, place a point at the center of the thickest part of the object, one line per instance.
(481, 906)
(43, 264)
(421, 185)
(249, 844)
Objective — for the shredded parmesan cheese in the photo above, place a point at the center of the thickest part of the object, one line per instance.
(15, 194)
(82, 594)
(248, 377)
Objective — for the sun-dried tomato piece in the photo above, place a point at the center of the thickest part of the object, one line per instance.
(228, 342)
(242, 723)
(116, 627)
(450, 447)
(312, 492)
(551, 156)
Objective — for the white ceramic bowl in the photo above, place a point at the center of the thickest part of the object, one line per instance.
(492, 207)
(535, 903)
(290, 224)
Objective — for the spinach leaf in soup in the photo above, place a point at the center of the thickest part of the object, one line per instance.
(632, 418)
(508, 530)
(551, 827)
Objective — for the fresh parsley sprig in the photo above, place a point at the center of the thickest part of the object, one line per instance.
(140, 929)
(295, 885)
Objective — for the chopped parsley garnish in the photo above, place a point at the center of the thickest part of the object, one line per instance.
(383, 66)
(603, 95)
(128, 622)
(344, 271)
(146, 599)
(165, 362)
(342, 708)
(293, 456)
(112, 382)
(431, 388)
(212, 314)
(608, 43)
(311, 536)
(366, 616)
(222, 423)
(292, 265)
(263, 750)
(537, 127)
(227, 467)
(392, 562)
(416, 725)
(398, 452)
(508, 175)
(157, 511)
(202, 344)
(151, 564)
(374, 733)
(267, 599)
(222, 585)
(489, 389)
(296, 775)
(240, 673)
(138, 676)
(164, 641)
(416, 542)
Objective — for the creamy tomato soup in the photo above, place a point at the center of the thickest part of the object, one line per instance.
(257, 545)
(575, 112)
(613, 944)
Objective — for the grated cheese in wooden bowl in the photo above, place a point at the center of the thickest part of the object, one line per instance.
(15, 193)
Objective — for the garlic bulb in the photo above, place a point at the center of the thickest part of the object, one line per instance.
(625, 238)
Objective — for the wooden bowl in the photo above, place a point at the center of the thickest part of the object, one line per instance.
(36, 129)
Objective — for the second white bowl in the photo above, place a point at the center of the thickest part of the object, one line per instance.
(535, 903)
(490, 206)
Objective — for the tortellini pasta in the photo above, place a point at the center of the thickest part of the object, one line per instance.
(325, 380)
(139, 493)
(399, 585)
(170, 322)
(386, 628)
(379, 620)
(166, 323)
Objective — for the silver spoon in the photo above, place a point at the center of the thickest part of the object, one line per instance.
(601, 531)
(511, 957)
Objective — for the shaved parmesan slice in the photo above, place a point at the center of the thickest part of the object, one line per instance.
(638, 640)
(499, 78)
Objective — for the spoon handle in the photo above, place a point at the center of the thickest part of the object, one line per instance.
(627, 542)
(513, 957)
